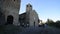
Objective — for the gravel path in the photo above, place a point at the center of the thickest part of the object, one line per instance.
(10, 29)
(40, 30)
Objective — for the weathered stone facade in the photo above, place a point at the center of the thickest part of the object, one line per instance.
(22, 19)
(33, 18)
(2, 18)
(10, 8)
(30, 17)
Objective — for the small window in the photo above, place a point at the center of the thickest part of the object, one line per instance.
(14, 0)
(30, 6)
(27, 5)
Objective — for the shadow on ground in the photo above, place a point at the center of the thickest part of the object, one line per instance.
(11, 29)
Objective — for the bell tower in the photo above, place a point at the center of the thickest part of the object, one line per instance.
(28, 11)
(28, 7)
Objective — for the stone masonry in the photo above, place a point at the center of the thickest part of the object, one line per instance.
(10, 8)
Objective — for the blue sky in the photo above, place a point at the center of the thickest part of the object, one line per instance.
(45, 8)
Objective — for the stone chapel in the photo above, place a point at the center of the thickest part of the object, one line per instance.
(30, 17)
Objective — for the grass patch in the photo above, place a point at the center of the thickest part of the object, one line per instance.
(10, 29)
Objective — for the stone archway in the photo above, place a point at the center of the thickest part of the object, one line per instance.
(10, 19)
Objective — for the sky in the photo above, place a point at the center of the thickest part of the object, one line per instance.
(46, 9)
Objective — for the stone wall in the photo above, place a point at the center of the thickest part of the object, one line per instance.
(33, 18)
(2, 18)
(11, 7)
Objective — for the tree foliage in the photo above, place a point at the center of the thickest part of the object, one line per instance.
(52, 23)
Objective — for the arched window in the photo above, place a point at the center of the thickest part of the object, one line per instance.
(27, 5)
(30, 6)
(14, 0)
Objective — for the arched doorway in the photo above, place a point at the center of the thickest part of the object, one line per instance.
(34, 23)
(10, 19)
